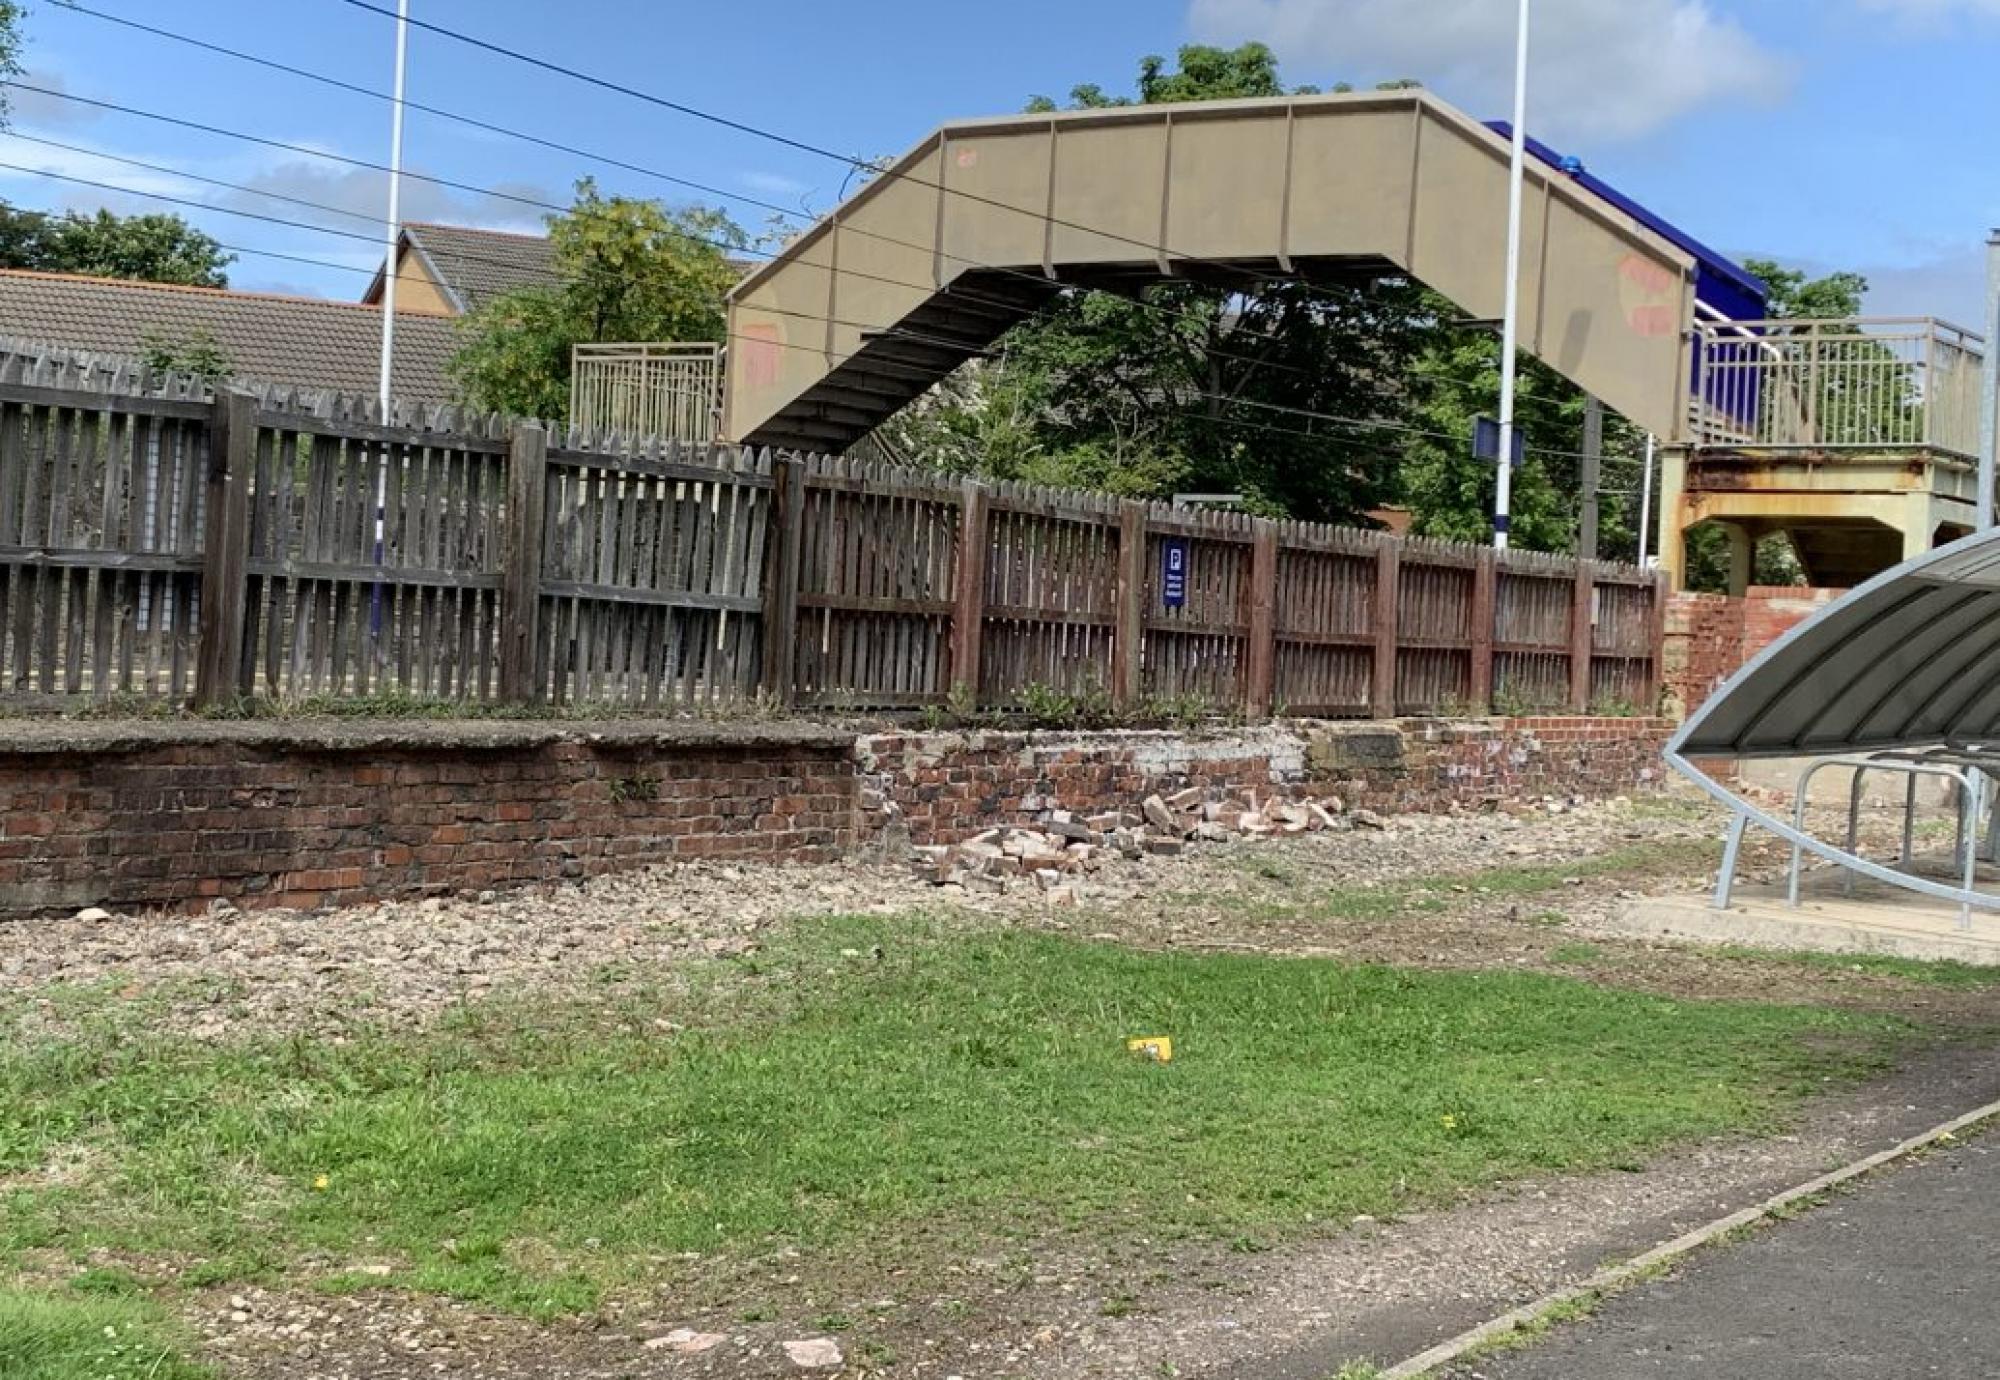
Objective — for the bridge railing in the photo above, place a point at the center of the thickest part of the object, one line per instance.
(670, 391)
(1861, 384)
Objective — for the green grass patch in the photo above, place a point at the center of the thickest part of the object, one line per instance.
(1943, 972)
(1434, 895)
(1575, 954)
(52, 1336)
(963, 1085)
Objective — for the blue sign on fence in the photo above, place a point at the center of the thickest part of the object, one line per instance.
(1173, 572)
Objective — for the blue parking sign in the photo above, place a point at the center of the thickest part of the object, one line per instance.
(1173, 572)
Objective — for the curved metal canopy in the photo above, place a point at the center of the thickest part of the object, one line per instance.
(1910, 659)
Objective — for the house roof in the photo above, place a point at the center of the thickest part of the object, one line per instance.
(475, 266)
(301, 342)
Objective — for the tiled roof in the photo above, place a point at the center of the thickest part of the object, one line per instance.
(303, 342)
(479, 265)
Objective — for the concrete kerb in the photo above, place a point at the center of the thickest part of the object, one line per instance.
(1614, 1277)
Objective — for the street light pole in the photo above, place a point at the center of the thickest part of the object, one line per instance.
(392, 235)
(1989, 388)
(392, 226)
(1510, 329)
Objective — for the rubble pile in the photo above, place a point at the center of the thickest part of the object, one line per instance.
(1061, 846)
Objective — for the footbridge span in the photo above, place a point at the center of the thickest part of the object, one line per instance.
(983, 222)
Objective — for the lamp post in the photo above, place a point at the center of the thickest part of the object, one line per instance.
(1989, 388)
(1510, 328)
(392, 235)
(392, 225)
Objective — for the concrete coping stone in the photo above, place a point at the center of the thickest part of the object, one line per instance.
(88, 737)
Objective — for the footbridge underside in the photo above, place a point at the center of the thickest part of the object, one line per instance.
(984, 222)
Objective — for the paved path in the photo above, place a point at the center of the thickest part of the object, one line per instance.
(1896, 1280)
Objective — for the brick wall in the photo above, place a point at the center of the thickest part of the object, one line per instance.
(944, 787)
(174, 815)
(1710, 636)
(273, 815)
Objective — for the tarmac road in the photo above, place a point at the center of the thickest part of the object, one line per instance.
(1898, 1279)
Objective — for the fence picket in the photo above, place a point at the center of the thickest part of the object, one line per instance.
(642, 574)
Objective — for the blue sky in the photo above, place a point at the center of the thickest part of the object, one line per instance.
(1828, 133)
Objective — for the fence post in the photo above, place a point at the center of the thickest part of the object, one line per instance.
(232, 448)
(968, 613)
(1656, 637)
(1261, 674)
(1129, 637)
(521, 563)
(781, 578)
(1485, 616)
(1388, 579)
(1580, 639)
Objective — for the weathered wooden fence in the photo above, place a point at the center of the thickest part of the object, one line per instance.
(161, 545)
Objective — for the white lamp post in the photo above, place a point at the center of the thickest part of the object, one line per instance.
(1510, 330)
(392, 225)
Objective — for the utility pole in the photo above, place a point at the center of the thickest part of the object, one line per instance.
(1510, 330)
(1591, 467)
(1989, 386)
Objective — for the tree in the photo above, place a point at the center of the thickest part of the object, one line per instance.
(153, 248)
(198, 353)
(628, 270)
(1191, 386)
(1794, 296)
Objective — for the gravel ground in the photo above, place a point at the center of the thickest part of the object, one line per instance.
(1381, 1289)
(402, 963)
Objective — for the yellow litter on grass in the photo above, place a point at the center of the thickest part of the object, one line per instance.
(1158, 1048)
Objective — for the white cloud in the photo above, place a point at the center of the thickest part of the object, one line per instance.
(1600, 69)
(45, 104)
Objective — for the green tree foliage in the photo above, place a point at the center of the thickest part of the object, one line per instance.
(1794, 296)
(629, 270)
(152, 248)
(1455, 379)
(11, 14)
(198, 353)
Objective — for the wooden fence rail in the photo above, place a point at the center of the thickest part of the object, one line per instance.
(162, 545)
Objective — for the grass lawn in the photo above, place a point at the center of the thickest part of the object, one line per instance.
(67, 1337)
(1926, 972)
(860, 1084)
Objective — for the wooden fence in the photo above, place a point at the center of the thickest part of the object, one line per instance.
(160, 545)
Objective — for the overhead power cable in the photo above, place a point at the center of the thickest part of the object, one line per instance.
(671, 179)
(900, 333)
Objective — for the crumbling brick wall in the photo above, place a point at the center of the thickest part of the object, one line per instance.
(275, 815)
(945, 787)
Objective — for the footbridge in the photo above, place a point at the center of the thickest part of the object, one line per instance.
(983, 222)
(1854, 439)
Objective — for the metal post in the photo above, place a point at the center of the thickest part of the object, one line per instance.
(1591, 475)
(1646, 505)
(392, 234)
(1510, 330)
(1727, 877)
(1989, 386)
(392, 226)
